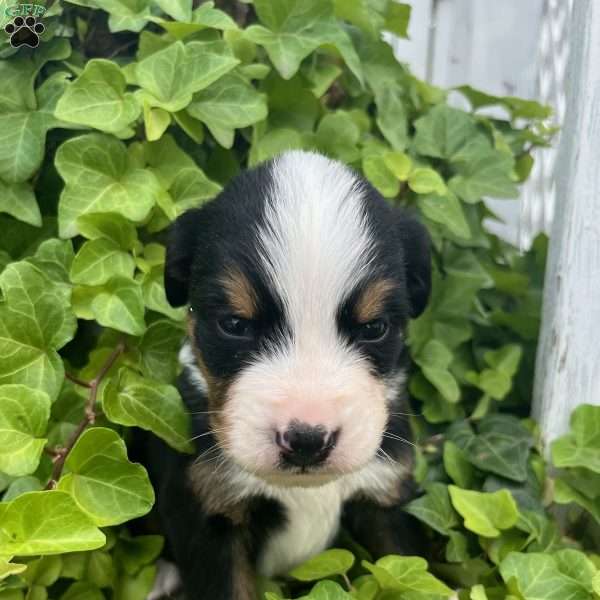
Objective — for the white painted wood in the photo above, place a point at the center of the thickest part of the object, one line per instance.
(568, 361)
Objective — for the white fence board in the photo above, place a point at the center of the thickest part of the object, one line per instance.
(568, 364)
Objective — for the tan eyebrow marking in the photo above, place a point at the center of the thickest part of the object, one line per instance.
(372, 300)
(240, 293)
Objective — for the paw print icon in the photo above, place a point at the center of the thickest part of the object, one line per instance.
(24, 32)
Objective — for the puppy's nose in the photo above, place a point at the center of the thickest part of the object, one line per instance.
(305, 445)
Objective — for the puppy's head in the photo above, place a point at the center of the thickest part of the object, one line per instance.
(300, 280)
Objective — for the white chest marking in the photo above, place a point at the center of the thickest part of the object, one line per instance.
(313, 514)
(313, 517)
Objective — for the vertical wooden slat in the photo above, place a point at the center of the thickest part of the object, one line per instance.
(568, 362)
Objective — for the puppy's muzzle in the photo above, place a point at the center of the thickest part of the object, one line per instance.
(304, 445)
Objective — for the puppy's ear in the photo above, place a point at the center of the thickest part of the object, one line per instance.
(181, 246)
(417, 256)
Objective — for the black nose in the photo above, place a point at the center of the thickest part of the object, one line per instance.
(305, 445)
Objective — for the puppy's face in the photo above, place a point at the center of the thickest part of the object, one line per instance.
(300, 281)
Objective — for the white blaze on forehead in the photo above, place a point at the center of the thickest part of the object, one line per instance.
(316, 247)
(316, 243)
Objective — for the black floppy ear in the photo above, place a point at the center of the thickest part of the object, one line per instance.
(417, 257)
(183, 238)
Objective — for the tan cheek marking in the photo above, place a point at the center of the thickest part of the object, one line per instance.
(217, 389)
(371, 302)
(212, 488)
(240, 294)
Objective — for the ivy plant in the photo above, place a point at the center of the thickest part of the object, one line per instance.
(129, 113)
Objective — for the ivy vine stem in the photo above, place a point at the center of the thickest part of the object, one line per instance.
(89, 416)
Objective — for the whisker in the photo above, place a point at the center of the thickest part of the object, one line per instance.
(387, 456)
(197, 437)
(214, 458)
(213, 448)
(203, 412)
(393, 436)
(405, 414)
(223, 462)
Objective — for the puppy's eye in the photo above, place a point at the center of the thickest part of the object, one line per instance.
(373, 331)
(236, 327)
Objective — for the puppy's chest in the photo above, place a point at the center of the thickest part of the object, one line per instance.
(312, 519)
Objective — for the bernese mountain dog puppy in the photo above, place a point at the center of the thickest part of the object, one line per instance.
(300, 280)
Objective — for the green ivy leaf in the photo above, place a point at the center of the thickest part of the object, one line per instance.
(518, 107)
(99, 260)
(294, 28)
(54, 524)
(326, 564)
(543, 577)
(483, 171)
(565, 494)
(206, 15)
(9, 568)
(169, 77)
(322, 76)
(447, 211)
(338, 135)
(18, 200)
(580, 447)
(179, 10)
(328, 590)
(131, 554)
(274, 142)
(142, 402)
(397, 18)
(54, 258)
(501, 446)
(156, 122)
(457, 548)
(35, 321)
(117, 304)
(443, 131)
(105, 485)
(44, 571)
(82, 590)
(434, 360)
(434, 508)
(485, 514)
(97, 99)
(191, 187)
(379, 174)
(24, 414)
(100, 178)
(158, 350)
(153, 291)
(135, 587)
(399, 164)
(21, 485)
(426, 181)
(457, 466)
(228, 104)
(407, 574)
(25, 116)
(108, 226)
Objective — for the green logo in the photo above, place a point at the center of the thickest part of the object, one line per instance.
(25, 10)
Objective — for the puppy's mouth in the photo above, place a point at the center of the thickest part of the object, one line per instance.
(305, 464)
(301, 476)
